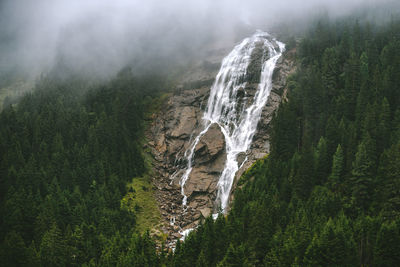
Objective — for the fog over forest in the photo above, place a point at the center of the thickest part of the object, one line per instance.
(102, 36)
(199, 133)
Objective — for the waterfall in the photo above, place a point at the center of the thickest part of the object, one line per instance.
(238, 123)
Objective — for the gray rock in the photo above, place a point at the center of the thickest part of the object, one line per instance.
(169, 137)
(205, 212)
(210, 146)
(185, 124)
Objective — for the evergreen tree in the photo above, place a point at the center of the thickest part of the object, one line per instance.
(53, 248)
(13, 251)
(389, 191)
(322, 164)
(362, 179)
(384, 125)
(332, 247)
(387, 248)
(233, 257)
(335, 179)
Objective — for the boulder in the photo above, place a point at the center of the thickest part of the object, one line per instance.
(205, 212)
(208, 163)
(211, 144)
(200, 180)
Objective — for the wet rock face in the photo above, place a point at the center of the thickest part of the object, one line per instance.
(170, 136)
(210, 146)
(255, 66)
(173, 130)
(178, 121)
(208, 164)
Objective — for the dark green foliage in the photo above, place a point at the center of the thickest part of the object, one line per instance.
(333, 246)
(67, 151)
(52, 249)
(336, 177)
(327, 195)
(387, 251)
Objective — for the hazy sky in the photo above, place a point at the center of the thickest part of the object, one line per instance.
(102, 36)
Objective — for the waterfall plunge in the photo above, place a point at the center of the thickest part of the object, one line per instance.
(238, 122)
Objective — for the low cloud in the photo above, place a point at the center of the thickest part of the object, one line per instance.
(101, 36)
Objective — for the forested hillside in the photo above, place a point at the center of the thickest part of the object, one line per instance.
(329, 192)
(67, 152)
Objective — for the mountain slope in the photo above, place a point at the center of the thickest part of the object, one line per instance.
(182, 119)
(67, 152)
(328, 192)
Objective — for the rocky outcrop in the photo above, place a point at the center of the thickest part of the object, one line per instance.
(209, 161)
(170, 134)
(173, 130)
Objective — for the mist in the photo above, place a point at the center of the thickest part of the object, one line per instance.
(99, 37)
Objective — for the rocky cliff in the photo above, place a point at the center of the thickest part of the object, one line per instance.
(170, 136)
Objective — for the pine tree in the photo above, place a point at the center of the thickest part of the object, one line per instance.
(332, 136)
(362, 180)
(335, 179)
(384, 126)
(352, 85)
(389, 191)
(333, 247)
(201, 261)
(303, 180)
(13, 251)
(387, 248)
(330, 71)
(365, 229)
(234, 257)
(53, 248)
(322, 161)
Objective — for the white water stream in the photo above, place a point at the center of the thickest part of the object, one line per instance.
(238, 122)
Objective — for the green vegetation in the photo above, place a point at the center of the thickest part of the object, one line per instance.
(328, 194)
(140, 197)
(68, 150)
(251, 171)
(141, 201)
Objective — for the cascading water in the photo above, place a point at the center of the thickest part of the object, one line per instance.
(238, 122)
